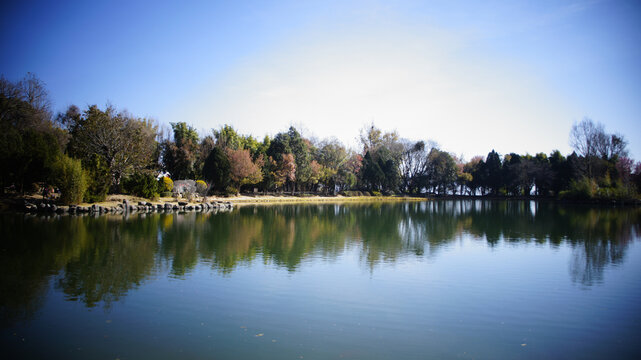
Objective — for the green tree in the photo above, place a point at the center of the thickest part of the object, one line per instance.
(493, 172)
(180, 156)
(217, 170)
(184, 134)
(70, 178)
(373, 175)
(560, 175)
(380, 170)
(543, 175)
(126, 144)
(205, 147)
(473, 167)
(142, 184)
(29, 141)
(227, 137)
(349, 172)
(98, 178)
(441, 171)
(291, 142)
(518, 174)
(302, 154)
(332, 156)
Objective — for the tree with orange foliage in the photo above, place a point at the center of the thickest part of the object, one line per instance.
(244, 170)
(284, 170)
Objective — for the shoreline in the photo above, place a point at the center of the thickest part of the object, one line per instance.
(119, 203)
(122, 204)
(290, 199)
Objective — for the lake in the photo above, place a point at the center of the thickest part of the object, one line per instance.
(409, 280)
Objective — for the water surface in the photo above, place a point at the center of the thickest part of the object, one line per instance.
(441, 279)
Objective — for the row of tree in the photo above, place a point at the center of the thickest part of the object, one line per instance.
(89, 153)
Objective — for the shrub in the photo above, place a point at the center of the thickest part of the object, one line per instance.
(165, 184)
(617, 192)
(141, 184)
(231, 190)
(98, 179)
(376, 193)
(70, 178)
(167, 194)
(584, 189)
(201, 187)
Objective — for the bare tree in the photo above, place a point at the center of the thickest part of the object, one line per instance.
(617, 147)
(587, 138)
(7, 88)
(590, 140)
(34, 91)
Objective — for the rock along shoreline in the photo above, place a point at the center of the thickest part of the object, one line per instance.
(125, 207)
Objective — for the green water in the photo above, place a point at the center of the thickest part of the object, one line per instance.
(442, 279)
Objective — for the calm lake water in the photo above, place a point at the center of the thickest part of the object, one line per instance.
(440, 279)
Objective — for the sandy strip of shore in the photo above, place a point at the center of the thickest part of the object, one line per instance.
(113, 200)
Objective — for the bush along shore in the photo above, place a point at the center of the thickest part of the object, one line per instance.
(125, 207)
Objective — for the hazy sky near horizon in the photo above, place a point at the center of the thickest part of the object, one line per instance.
(473, 76)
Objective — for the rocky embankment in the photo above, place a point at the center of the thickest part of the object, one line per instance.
(126, 207)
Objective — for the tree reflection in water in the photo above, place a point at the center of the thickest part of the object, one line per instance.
(97, 260)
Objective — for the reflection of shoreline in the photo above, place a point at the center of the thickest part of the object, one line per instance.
(98, 260)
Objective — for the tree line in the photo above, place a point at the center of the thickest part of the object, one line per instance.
(89, 153)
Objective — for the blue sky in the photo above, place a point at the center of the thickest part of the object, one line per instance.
(473, 76)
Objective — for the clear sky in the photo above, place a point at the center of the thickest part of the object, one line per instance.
(473, 76)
